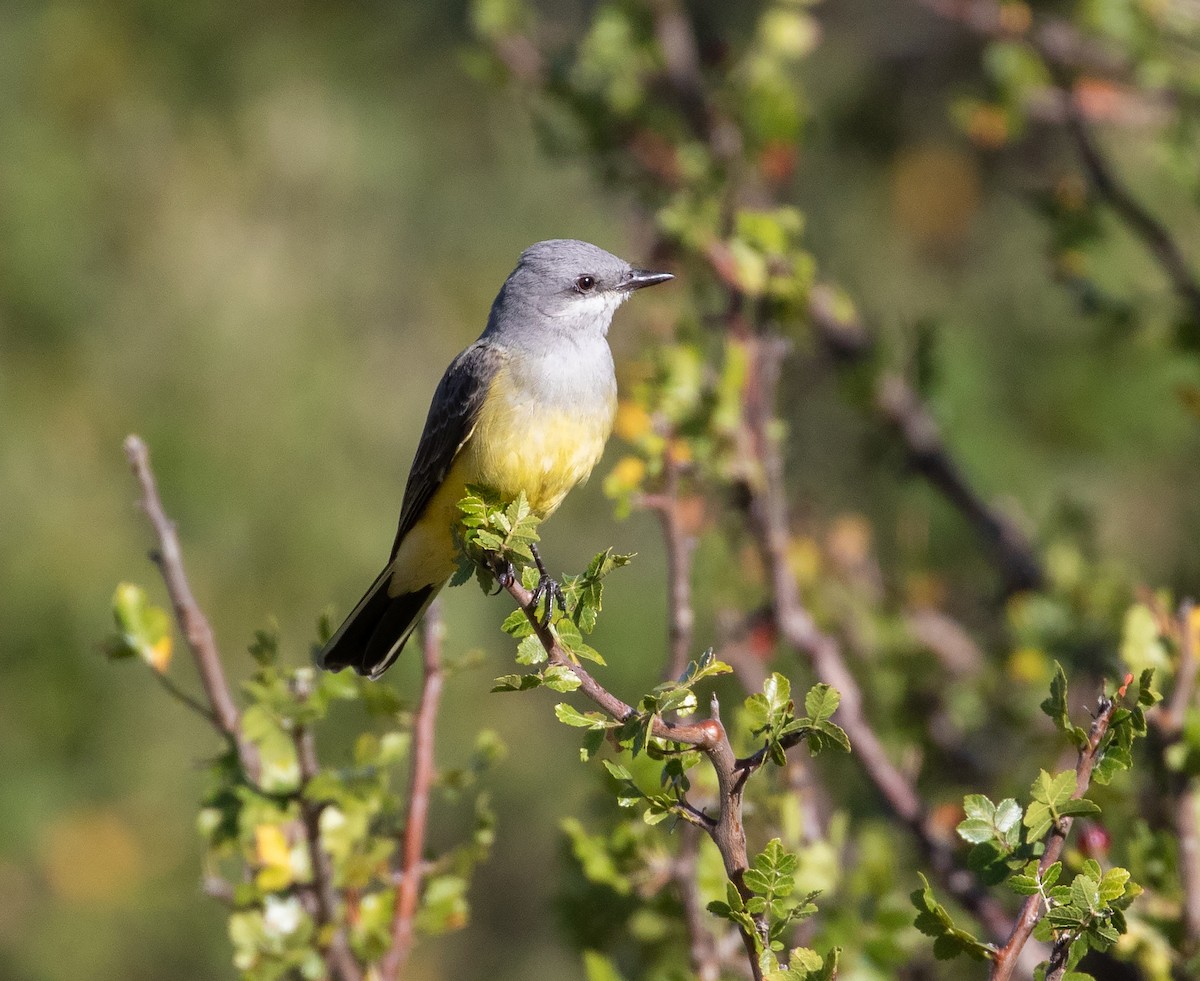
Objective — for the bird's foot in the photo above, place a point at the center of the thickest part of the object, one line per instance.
(547, 587)
(503, 571)
(552, 591)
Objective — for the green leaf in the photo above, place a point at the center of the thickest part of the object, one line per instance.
(530, 651)
(1056, 708)
(516, 682)
(1112, 886)
(560, 678)
(597, 967)
(821, 702)
(568, 715)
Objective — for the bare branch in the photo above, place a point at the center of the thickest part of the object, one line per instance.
(1005, 962)
(1184, 692)
(927, 453)
(1145, 226)
(1183, 790)
(186, 699)
(679, 547)
(191, 619)
(847, 340)
(408, 890)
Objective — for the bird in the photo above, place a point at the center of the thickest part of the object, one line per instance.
(528, 407)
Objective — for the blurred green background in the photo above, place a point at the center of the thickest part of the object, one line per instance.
(257, 233)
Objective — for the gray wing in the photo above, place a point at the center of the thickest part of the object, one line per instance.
(452, 417)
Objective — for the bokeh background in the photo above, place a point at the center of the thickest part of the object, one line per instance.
(256, 233)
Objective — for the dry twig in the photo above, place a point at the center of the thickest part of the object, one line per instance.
(191, 619)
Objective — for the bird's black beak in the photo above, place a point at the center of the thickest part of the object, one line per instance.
(643, 277)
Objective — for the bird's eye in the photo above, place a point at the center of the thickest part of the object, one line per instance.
(585, 284)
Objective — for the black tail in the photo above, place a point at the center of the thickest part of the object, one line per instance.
(375, 633)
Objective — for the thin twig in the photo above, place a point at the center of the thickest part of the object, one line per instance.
(191, 619)
(1184, 692)
(1132, 212)
(848, 341)
(338, 954)
(1005, 962)
(1063, 56)
(408, 890)
(679, 546)
(181, 696)
(927, 454)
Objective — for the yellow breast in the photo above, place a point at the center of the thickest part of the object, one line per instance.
(522, 444)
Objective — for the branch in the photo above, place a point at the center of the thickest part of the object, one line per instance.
(1063, 50)
(679, 547)
(191, 619)
(1108, 186)
(849, 343)
(769, 517)
(337, 951)
(1005, 962)
(727, 831)
(1057, 36)
(903, 409)
(408, 890)
(702, 948)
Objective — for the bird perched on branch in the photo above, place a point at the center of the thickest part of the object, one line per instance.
(527, 407)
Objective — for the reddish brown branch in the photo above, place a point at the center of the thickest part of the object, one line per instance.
(408, 890)
(192, 622)
(1005, 962)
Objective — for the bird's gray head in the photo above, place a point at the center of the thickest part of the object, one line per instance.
(566, 286)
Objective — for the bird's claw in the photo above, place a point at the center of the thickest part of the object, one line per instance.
(503, 571)
(552, 591)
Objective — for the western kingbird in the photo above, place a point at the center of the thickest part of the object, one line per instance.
(527, 407)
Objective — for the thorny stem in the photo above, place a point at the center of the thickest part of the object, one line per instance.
(408, 890)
